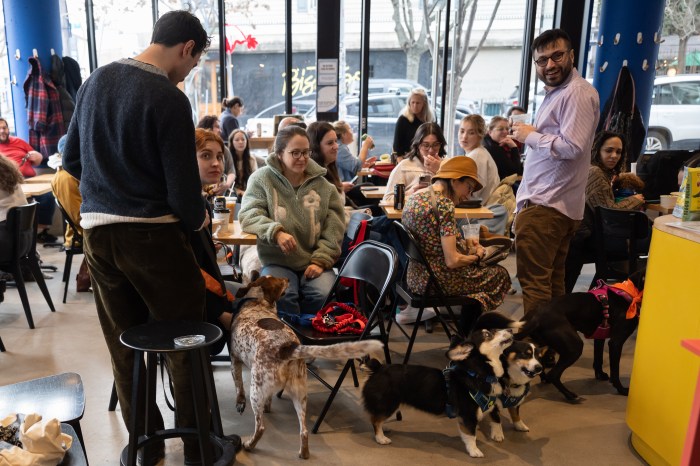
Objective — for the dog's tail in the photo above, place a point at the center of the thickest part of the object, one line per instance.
(374, 365)
(495, 320)
(347, 350)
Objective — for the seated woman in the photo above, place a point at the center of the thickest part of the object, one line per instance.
(244, 163)
(609, 154)
(348, 164)
(11, 194)
(422, 161)
(210, 160)
(503, 149)
(298, 217)
(430, 215)
(220, 188)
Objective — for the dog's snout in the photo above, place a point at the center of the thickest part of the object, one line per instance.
(538, 368)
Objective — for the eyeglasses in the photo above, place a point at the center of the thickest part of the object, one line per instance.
(556, 57)
(306, 153)
(428, 146)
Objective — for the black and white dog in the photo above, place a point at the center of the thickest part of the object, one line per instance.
(467, 389)
(609, 311)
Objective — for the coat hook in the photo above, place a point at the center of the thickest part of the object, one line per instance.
(35, 53)
(604, 67)
(639, 37)
(645, 65)
(18, 55)
(617, 39)
(53, 52)
(600, 41)
(14, 80)
(624, 62)
(657, 38)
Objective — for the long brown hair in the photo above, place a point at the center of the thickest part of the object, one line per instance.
(600, 139)
(423, 131)
(317, 131)
(10, 176)
(242, 177)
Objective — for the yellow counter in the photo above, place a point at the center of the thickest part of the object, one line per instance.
(664, 374)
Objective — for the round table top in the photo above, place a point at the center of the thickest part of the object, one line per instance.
(159, 336)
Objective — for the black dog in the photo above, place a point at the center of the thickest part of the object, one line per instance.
(520, 365)
(556, 324)
(467, 389)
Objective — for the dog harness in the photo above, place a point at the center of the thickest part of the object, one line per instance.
(509, 401)
(625, 290)
(485, 402)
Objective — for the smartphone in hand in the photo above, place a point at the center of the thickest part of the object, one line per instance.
(354, 180)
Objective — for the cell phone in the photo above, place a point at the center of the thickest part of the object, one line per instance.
(424, 180)
(370, 189)
(354, 180)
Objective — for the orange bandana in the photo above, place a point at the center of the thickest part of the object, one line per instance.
(635, 295)
(213, 285)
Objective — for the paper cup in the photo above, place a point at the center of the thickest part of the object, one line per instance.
(633, 168)
(667, 201)
(220, 223)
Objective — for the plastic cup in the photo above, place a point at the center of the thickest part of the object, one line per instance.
(471, 231)
(221, 220)
(633, 168)
(231, 205)
(524, 118)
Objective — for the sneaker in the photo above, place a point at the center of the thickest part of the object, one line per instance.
(45, 237)
(410, 314)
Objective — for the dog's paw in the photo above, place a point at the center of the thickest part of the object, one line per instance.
(304, 453)
(601, 375)
(248, 445)
(521, 427)
(382, 439)
(496, 432)
(240, 406)
(474, 452)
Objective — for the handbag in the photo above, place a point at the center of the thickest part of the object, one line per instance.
(497, 249)
(339, 318)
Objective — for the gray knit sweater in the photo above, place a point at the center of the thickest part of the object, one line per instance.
(131, 145)
(313, 215)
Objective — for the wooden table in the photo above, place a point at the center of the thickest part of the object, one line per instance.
(481, 212)
(364, 172)
(238, 237)
(264, 142)
(373, 192)
(658, 208)
(43, 178)
(36, 189)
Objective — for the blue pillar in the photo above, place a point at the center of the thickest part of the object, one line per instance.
(627, 31)
(30, 24)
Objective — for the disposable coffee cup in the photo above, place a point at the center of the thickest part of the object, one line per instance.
(667, 201)
(524, 118)
(221, 220)
(633, 168)
(231, 205)
(471, 231)
(219, 202)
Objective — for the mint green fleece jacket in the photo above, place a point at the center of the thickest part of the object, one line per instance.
(313, 214)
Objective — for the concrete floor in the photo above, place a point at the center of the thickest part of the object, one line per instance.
(593, 432)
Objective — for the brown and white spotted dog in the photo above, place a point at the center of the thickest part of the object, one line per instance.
(275, 356)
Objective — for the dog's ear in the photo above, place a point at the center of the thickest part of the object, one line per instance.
(254, 275)
(243, 290)
(539, 352)
(460, 352)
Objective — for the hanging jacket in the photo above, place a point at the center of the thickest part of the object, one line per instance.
(43, 110)
(58, 76)
(73, 77)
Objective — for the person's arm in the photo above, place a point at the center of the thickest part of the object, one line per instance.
(332, 230)
(399, 145)
(453, 258)
(254, 215)
(347, 161)
(599, 193)
(365, 148)
(579, 116)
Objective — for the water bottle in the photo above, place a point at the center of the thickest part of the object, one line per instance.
(399, 194)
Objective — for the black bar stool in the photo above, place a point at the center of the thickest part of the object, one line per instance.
(159, 337)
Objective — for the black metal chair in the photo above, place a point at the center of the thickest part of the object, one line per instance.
(434, 297)
(75, 247)
(622, 242)
(60, 396)
(373, 266)
(18, 248)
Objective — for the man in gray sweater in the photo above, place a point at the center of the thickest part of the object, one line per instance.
(131, 144)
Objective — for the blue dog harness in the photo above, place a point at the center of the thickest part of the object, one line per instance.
(484, 401)
(509, 401)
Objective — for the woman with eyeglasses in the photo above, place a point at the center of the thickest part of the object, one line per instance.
(430, 215)
(416, 112)
(503, 149)
(422, 161)
(298, 217)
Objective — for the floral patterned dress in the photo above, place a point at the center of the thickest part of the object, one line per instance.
(488, 285)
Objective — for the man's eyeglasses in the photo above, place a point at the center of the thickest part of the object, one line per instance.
(300, 153)
(428, 146)
(556, 57)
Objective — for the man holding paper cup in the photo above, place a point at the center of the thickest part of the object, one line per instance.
(551, 200)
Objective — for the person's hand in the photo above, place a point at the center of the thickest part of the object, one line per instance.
(508, 141)
(432, 163)
(369, 161)
(347, 186)
(35, 158)
(368, 143)
(639, 196)
(521, 131)
(220, 188)
(313, 271)
(286, 242)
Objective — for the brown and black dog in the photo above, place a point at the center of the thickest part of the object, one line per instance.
(275, 356)
(556, 326)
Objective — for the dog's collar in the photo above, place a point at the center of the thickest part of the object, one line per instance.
(508, 400)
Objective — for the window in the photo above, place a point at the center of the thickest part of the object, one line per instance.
(687, 93)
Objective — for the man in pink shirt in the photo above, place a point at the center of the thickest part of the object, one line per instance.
(26, 158)
(551, 197)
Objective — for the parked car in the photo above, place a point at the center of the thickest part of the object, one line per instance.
(301, 105)
(386, 86)
(675, 113)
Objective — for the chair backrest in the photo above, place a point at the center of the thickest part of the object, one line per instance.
(617, 228)
(370, 263)
(354, 227)
(21, 238)
(77, 237)
(415, 253)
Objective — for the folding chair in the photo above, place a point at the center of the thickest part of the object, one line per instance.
(434, 296)
(622, 242)
(75, 248)
(373, 266)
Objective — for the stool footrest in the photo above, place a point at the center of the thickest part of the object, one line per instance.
(228, 449)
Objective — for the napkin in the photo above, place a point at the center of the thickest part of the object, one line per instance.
(44, 443)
